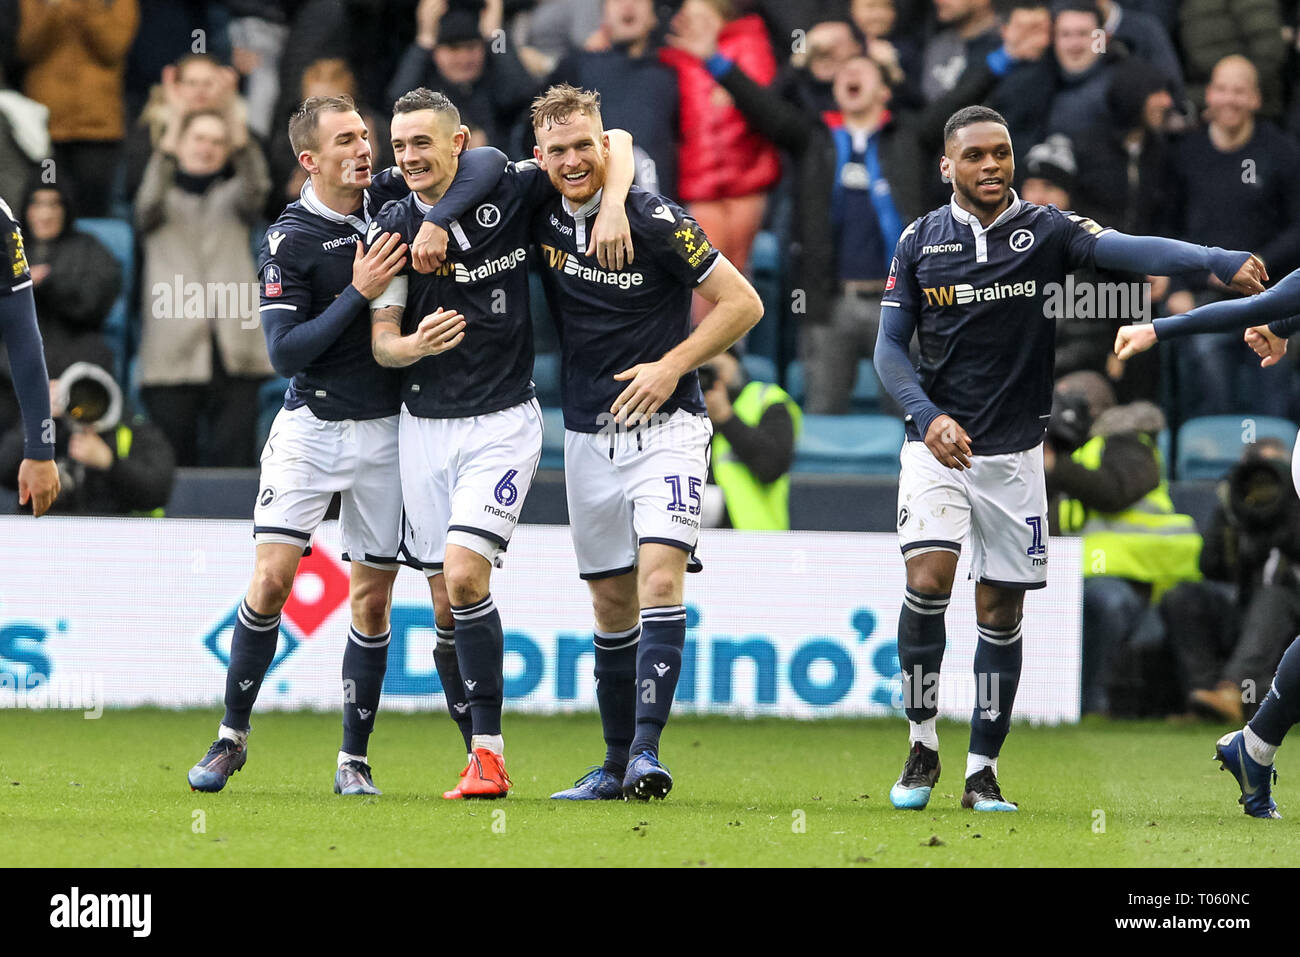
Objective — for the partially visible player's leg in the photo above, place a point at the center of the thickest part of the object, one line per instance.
(496, 457)
(445, 661)
(922, 638)
(600, 521)
(663, 468)
(298, 479)
(370, 523)
(933, 521)
(365, 660)
(998, 658)
(426, 495)
(661, 570)
(1249, 753)
(1008, 557)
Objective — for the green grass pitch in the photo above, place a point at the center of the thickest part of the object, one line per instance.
(112, 792)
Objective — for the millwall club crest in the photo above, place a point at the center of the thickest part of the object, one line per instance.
(893, 274)
(1021, 240)
(903, 516)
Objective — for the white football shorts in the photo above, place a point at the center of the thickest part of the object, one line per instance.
(464, 480)
(306, 460)
(626, 489)
(1001, 501)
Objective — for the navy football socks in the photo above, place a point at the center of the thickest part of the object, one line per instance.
(922, 638)
(998, 656)
(616, 654)
(453, 686)
(1280, 709)
(252, 649)
(480, 648)
(658, 666)
(364, 662)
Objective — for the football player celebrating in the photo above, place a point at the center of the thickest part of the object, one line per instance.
(337, 431)
(637, 432)
(1268, 319)
(971, 280)
(38, 476)
(471, 429)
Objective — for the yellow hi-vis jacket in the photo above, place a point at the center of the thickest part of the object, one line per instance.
(753, 504)
(1147, 542)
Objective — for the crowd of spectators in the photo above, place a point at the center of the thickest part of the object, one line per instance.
(816, 120)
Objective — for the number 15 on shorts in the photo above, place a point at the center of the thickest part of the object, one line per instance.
(676, 503)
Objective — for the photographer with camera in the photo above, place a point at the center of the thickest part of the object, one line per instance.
(109, 463)
(1227, 633)
(1104, 482)
(754, 429)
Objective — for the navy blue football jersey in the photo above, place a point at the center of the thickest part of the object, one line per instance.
(16, 274)
(979, 295)
(304, 263)
(608, 320)
(485, 278)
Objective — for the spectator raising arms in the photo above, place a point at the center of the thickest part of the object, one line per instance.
(74, 54)
(202, 356)
(197, 81)
(725, 167)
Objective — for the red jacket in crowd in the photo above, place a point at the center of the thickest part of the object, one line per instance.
(720, 155)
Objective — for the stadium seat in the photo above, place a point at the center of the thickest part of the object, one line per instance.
(118, 237)
(765, 274)
(849, 444)
(866, 389)
(552, 439)
(546, 377)
(759, 368)
(1210, 445)
(794, 383)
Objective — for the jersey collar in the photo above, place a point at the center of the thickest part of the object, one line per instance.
(314, 205)
(981, 232)
(581, 216)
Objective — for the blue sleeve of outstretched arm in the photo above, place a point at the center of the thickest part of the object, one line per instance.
(22, 336)
(894, 367)
(1157, 256)
(1277, 306)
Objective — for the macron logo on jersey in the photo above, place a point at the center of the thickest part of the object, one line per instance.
(567, 264)
(664, 213)
(274, 240)
(964, 293)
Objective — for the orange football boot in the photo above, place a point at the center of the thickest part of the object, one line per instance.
(484, 777)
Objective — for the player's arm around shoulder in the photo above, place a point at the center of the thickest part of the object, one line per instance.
(611, 233)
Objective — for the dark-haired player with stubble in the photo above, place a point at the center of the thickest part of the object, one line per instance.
(470, 433)
(970, 280)
(38, 476)
(337, 432)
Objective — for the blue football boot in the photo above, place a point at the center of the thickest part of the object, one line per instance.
(983, 794)
(354, 777)
(1255, 779)
(596, 785)
(920, 774)
(646, 778)
(223, 759)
